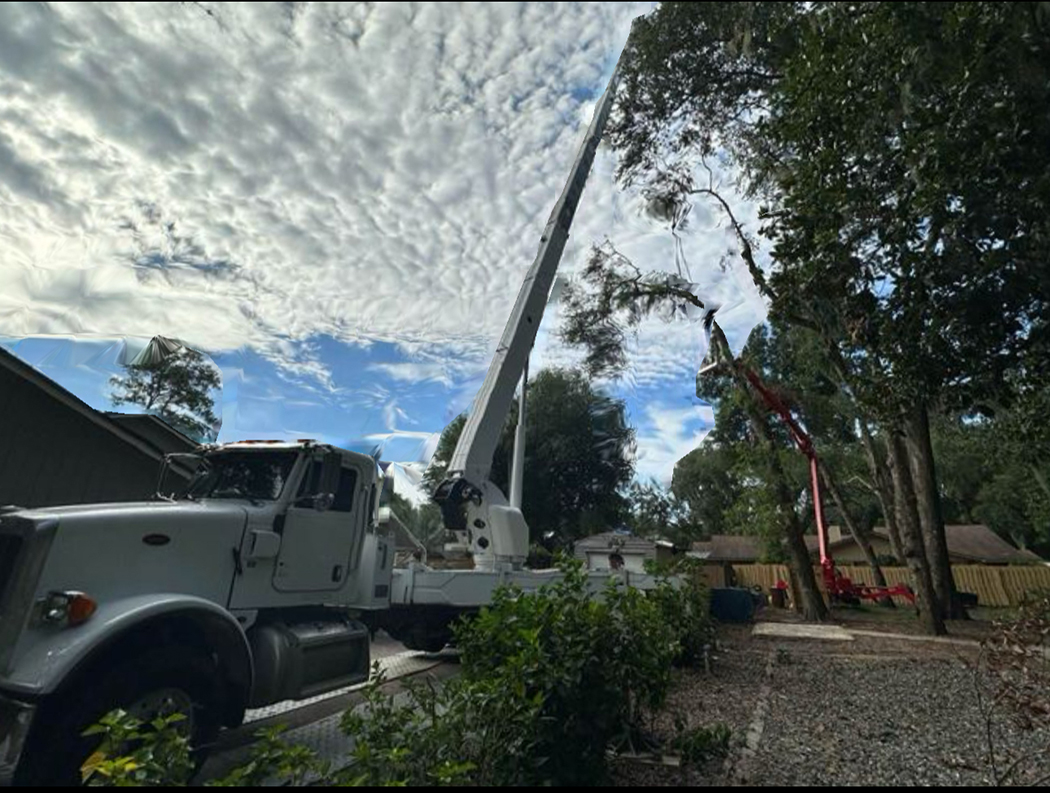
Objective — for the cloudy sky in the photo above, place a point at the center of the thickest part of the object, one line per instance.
(337, 202)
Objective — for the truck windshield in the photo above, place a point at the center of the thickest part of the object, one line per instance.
(252, 475)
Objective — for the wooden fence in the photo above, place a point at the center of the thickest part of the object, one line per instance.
(993, 585)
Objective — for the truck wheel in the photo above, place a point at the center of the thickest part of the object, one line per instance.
(427, 638)
(161, 681)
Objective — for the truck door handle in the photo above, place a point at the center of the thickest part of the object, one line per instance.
(337, 573)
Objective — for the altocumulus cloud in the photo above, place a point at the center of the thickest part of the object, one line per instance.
(267, 174)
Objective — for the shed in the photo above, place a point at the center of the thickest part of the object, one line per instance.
(595, 551)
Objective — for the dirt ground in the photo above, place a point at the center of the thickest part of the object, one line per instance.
(877, 710)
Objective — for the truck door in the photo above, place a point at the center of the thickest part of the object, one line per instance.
(318, 545)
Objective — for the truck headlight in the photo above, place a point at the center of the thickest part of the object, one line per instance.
(69, 608)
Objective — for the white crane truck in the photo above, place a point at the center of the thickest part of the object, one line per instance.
(262, 582)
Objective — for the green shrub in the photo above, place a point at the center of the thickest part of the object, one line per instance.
(133, 753)
(461, 732)
(595, 664)
(702, 743)
(274, 760)
(138, 754)
(550, 681)
(687, 607)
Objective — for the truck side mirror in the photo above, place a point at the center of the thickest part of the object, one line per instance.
(387, 489)
(329, 484)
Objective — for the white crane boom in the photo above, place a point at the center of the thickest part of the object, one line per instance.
(496, 531)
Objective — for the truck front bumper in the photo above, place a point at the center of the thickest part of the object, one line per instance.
(15, 719)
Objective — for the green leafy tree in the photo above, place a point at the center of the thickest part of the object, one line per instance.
(899, 151)
(656, 513)
(705, 479)
(987, 478)
(610, 300)
(446, 447)
(177, 389)
(423, 521)
(579, 456)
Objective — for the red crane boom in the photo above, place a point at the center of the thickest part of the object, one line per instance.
(839, 587)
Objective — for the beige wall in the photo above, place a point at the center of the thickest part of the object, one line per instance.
(599, 560)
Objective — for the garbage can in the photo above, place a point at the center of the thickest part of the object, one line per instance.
(732, 605)
(778, 598)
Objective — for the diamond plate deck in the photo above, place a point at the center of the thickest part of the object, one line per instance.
(322, 735)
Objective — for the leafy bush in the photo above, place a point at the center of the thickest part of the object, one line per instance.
(273, 759)
(462, 732)
(702, 743)
(595, 666)
(687, 608)
(134, 753)
(550, 681)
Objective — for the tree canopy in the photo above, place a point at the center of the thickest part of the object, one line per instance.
(579, 457)
(900, 154)
(177, 388)
(900, 157)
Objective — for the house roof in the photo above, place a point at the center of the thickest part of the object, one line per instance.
(48, 386)
(973, 542)
(978, 543)
(729, 548)
(154, 430)
(609, 541)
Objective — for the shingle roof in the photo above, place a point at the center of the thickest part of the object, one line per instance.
(729, 548)
(154, 430)
(979, 543)
(973, 542)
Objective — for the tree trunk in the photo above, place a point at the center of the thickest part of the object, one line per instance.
(796, 601)
(889, 512)
(914, 552)
(931, 517)
(808, 597)
(880, 475)
(810, 600)
(860, 536)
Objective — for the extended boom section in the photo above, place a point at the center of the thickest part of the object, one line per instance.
(469, 500)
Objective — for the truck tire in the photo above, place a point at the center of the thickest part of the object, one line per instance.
(173, 675)
(427, 638)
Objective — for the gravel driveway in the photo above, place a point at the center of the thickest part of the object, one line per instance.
(874, 711)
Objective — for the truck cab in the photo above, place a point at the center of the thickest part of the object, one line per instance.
(252, 586)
